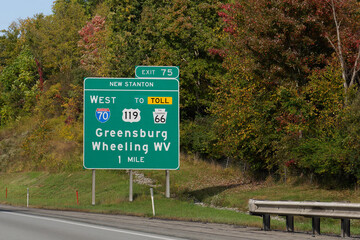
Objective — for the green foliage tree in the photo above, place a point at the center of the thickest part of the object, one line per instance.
(54, 38)
(178, 33)
(90, 6)
(18, 87)
(245, 113)
(123, 19)
(10, 45)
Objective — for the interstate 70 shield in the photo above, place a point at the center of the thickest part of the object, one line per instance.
(102, 114)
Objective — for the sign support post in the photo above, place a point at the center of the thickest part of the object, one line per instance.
(167, 176)
(93, 188)
(131, 186)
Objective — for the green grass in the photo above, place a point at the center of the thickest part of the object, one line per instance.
(58, 191)
(195, 181)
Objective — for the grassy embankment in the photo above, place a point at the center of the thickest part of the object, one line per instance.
(196, 181)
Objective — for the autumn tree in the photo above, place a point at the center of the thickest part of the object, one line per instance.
(286, 39)
(93, 46)
(275, 49)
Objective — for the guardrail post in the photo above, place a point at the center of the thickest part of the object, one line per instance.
(290, 223)
(345, 227)
(316, 225)
(266, 222)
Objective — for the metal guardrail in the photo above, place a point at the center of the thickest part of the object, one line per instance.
(315, 210)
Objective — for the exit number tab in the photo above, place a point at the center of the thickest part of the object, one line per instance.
(157, 72)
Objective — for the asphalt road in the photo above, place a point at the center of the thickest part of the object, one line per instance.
(37, 224)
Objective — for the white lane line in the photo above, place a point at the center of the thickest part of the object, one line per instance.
(91, 226)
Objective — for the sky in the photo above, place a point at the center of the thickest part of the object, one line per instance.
(12, 10)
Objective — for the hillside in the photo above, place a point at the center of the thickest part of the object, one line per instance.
(220, 195)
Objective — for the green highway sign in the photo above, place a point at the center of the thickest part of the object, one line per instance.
(131, 123)
(157, 72)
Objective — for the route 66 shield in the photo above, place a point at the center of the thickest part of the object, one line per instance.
(102, 114)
